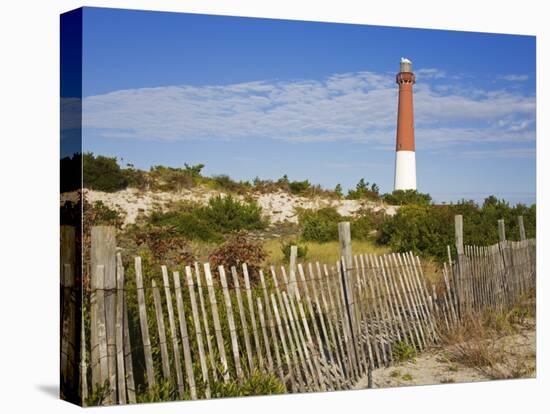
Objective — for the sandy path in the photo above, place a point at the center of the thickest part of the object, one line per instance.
(436, 366)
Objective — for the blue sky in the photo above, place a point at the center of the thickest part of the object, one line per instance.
(259, 97)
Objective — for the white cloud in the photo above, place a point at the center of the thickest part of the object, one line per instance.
(502, 153)
(359, 106)
(514, 78)
(429, 73)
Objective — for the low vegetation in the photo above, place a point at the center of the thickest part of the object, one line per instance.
(482, 342)
(428, 229)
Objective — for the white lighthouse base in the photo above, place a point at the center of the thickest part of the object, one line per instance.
(405, 170)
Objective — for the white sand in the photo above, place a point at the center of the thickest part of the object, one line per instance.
(278, 207)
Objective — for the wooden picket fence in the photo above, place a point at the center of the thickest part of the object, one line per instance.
(315, 326)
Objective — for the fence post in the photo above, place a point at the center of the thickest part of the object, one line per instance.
(103, 253)
(69, 305)
(501, 231)
(521, 228)
(344, 235)
(459, 244)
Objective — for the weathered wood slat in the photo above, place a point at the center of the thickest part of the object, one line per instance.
(217, 324)
(119, 325)
(272, 328)
(101, 328)
(244, 322)
(147, 351)
(173, 330)
(188, 362)
(165, 363)
(252, 314)
(198, 330)
(205, 322)
(128, 363)
(231, 323)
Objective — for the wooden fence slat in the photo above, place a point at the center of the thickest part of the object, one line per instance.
(271, 324)
(83, 366)
(300, 373)
(188, 362)
(329, 318)
(264, 332)
(316, 329)
(307, 340)
(338, 322)
(151, 381)
(244, 323)
(289, 364)
(198, 331)
(371, 311)
(301, 345)
(128, 365)
(380, 314)
(252, 316)
(161, 332)
(231, 323)
(217, 325)
(119, 325)
(204, 314)
(101, 327)
(173, 330)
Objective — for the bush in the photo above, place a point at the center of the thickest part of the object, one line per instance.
(172, 179)
(258, 383)
(407, 197)
(428, 229)
(102, 173)
(321, 225)
(237, 250)
(227, 183)
(285, 249)
(187, 221)
(222, 215)
(423, 229)
(363, 226)
(364, 190)
(402, 351)
(229, 214)
(299, 187)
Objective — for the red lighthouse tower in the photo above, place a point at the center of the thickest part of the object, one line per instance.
(405, 157)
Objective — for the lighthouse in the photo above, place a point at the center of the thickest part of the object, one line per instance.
(405, 157)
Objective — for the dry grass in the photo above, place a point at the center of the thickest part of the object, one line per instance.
(483, 342)
(322, 252)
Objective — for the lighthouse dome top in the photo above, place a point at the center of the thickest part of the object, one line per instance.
(405, 65)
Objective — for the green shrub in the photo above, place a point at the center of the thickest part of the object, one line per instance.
(285, 249)
(229, 214)
(299, 187)
(365, 224)
(407, 197)
(428, 229)
(402, 351)
(259, 383)
(188, 223)
(320, 225)
(171, 179)
(364, 190)
(102, 173)
(225, 182)
(222, 215)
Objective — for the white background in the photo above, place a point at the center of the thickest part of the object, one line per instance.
(29, 139)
